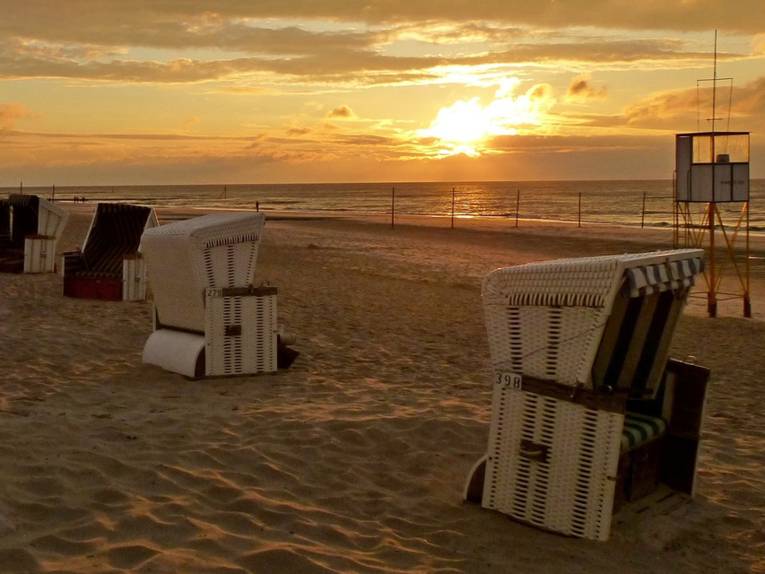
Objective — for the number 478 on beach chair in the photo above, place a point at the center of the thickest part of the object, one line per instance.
(587, 411)
(209, 320)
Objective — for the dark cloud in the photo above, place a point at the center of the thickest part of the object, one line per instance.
(581, 88)
(341, 112)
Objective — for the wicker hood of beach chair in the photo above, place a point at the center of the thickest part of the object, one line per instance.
(209, 318)
(576, 344)
(109, 265)
(29, 233)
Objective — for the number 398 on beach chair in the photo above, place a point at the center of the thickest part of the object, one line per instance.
(209, 320)
(587, 411)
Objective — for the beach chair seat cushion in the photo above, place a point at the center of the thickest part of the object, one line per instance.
(640, 429)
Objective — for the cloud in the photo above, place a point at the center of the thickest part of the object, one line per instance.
(119, 19)
(677, 109)
(10, 113)
(581, 88)
(341, 112)
(342, 66)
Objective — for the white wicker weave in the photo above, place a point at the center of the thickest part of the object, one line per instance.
(253, 349)
(552, 462)
(546, 319)
(201, 271)
(571, 492)
(186, 257)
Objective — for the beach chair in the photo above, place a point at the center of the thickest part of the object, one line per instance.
(109, 265)
(588, 413)
(209, 319)
(30, 228)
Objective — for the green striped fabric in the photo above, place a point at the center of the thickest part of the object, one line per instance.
(639, 429)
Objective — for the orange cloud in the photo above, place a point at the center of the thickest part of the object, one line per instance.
(10, 112)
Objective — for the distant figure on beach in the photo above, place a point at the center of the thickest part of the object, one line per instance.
(257, 206)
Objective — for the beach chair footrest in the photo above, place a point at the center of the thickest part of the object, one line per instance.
(176, 351)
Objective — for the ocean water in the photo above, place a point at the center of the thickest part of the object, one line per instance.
(618, 202)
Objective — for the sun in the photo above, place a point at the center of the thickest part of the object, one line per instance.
(466, 125)
(463, 123)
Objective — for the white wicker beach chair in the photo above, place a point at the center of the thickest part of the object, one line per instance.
(587, 411)
(109, 265)
(30, 233)
(209, 319)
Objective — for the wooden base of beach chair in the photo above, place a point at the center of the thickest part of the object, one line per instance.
(551, 466)
(104, 288)
(134, 278)
(240, 338)
(11, 261)
(553, 463)
(39, 254)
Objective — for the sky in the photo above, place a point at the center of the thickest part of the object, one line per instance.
(110, 92)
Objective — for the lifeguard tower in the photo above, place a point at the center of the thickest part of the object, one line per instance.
(711, 182)
(712, 168)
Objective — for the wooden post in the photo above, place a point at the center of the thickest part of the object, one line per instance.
(747, 300)
(452, 208)
(642, 213)
(392, 207)
(53, 193)
(579, 217)
(21, 187)
(517, 205)
(712, 293)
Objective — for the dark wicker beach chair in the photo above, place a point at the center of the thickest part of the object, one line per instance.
(30, 228)
(109, 265)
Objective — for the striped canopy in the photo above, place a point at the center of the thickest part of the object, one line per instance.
(648, 279)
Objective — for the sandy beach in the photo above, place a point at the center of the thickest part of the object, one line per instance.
(354, 459)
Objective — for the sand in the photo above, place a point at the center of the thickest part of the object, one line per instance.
(353, 460)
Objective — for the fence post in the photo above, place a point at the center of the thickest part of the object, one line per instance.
(517, 205)
(452, 208)
(392, 207)
(579, 217)
(642, 213)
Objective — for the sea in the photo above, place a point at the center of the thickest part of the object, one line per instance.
(627, 202)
